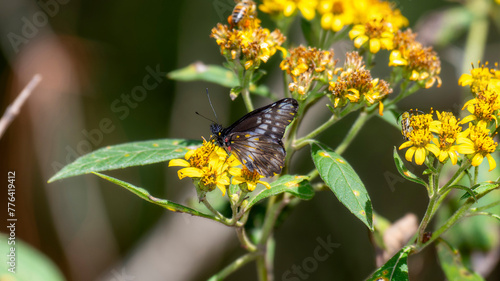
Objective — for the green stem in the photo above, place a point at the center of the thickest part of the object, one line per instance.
(355, 129)
(426, 219)
(262, 273)
(448, 224)
(245, 242)
(313, 174)
(486, 207)
(459, 174)
(214, 211)
(275, 205)
(307, 139)
(235, 265)
(246, 98)
(245, 92)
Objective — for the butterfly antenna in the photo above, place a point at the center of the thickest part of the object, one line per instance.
(199, 114)
(210, 102)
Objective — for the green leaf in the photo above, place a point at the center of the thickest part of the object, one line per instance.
(126, 155)
(211, 73)
(29, 263)
(467, 189)
(345, 183)
(144, 194)
(452, 265)
(219, 75)
(311, 38)
(482, 189)
(391, 116)
(395, 269)
(298, 186)
(404, 171)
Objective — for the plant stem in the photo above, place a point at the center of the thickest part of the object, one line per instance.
(449, 223)
(262, 273)
(426, 219)
(307, 139)
(459, 174)
(486, 207)
(245, 242)
(355, 129)
(214, 211)
(245, 92)
(246, 99)
(235, 265)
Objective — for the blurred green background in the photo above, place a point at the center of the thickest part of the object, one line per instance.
(94, 57)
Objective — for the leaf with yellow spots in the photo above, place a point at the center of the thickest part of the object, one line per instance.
(404, 171)
(452, 264)
(395, 269)
(144, 194)
(479, 190)
(344, 182)
(126, 155)
(298, 186)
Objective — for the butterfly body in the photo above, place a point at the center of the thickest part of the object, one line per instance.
(255, 138)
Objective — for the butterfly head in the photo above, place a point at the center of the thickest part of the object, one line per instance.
(217, 133)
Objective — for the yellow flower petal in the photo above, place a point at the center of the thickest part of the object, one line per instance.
(374, 45)
(409, 154)
(491, 162)
(191, 172)
(477, 159)
(266, 184)
(178, 163)
(420, 156)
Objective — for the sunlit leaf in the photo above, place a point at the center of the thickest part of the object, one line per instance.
(345, 183)
(404, 171)
(296, 185)
(126, 155)
(144, 194)
(395, 269)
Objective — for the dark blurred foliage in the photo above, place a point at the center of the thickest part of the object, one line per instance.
(93, 56)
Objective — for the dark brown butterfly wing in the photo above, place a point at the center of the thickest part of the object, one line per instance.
(261, 153)
(255, 138)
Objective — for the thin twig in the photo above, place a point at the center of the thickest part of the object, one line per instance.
(13, 110)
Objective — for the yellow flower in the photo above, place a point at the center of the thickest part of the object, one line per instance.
(420, 138)
(365, 10)
(289, 7)
(449, 131)
(484, 107)
(480, 79)
(335, 14)
(479, 144)
(250, 45)
(207, 165)
(419, 64)
(304, 65)
(355, 84)
(377, 93)
(247, 180)
(378, 33)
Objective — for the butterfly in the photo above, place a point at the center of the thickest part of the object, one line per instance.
(255, 138)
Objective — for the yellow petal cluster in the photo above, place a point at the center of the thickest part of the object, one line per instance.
(251, 45)
(420, 63)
